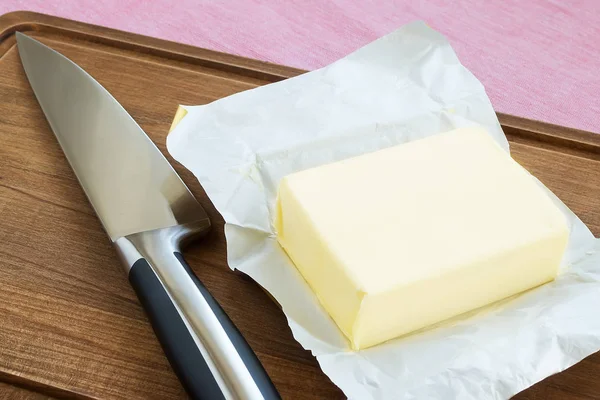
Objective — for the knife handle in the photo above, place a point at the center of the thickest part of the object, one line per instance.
(205, 349)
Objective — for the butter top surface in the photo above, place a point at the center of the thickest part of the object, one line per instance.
(430, 206)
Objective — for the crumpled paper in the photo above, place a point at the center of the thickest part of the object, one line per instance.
(404, 86)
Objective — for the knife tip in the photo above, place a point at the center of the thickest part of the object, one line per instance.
(22, 39)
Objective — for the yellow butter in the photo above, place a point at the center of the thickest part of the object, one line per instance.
(179, 114)
(405, 237)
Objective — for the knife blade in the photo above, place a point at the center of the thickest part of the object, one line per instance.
(147, 212)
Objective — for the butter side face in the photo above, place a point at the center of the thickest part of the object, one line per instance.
(314, 258)
(399, 239)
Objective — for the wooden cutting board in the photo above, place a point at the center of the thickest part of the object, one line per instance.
(70, 325)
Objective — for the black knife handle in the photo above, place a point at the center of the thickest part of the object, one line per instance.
(179, 345)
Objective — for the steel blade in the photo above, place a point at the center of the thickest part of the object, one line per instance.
(130, 184)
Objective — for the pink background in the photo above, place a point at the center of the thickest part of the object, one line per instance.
(537, 58)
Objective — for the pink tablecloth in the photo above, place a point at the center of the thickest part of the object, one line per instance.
(537, 58)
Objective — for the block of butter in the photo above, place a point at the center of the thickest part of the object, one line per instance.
(402, 238)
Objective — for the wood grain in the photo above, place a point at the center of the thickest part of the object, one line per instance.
(70, 326)
(10, 392)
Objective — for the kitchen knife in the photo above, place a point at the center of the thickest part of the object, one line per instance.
(147, 211)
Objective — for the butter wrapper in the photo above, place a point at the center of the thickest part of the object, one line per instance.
(404, 86)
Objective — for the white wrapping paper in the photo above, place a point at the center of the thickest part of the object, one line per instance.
(402, 87)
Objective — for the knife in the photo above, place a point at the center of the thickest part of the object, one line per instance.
(147, 212)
